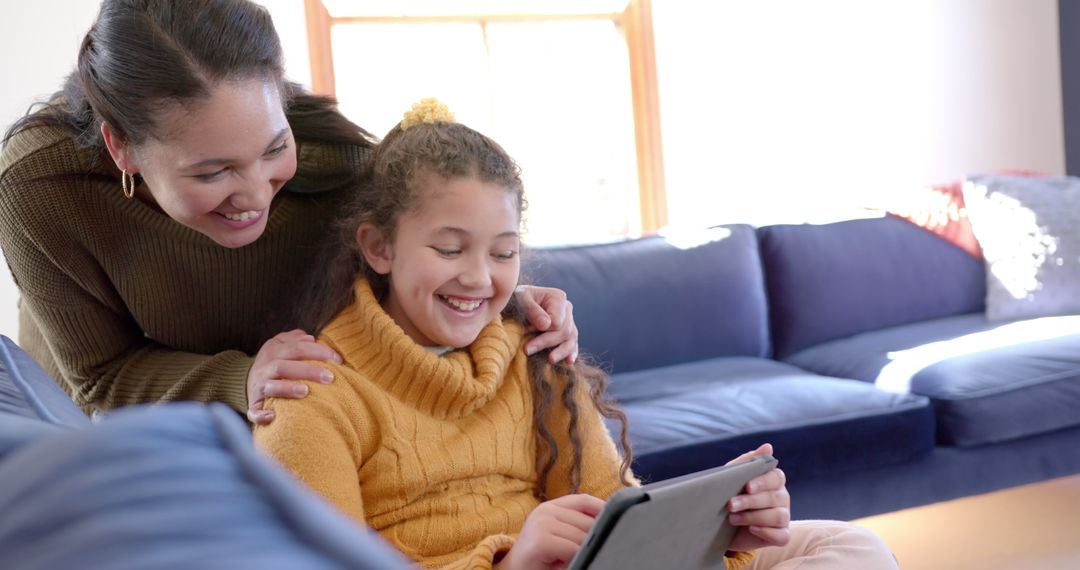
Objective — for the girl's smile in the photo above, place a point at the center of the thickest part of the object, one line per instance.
(452, 262)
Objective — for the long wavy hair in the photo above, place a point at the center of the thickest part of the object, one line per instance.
(388, 188)
(142, 55)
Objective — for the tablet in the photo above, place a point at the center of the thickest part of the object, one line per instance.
(670, 524)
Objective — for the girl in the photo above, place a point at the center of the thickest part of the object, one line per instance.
(159, 206)
(440, 432)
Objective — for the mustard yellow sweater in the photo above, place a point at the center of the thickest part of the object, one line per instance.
(436, 453)
(124, 305)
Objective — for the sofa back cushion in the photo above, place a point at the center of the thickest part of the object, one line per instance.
(835, 280)
(657, 301)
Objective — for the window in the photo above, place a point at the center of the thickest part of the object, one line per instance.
(565, 87)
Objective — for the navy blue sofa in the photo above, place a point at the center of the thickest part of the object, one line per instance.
(858, 348)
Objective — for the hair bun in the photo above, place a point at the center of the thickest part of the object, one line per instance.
(428, 110)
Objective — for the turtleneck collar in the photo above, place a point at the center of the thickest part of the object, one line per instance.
(448, 386)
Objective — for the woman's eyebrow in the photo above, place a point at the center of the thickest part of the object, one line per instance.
(221, 161)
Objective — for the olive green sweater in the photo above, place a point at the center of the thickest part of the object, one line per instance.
(124, 305)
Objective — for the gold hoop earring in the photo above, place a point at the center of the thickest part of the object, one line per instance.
(127, 183)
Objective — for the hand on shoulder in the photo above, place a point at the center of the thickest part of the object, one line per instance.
(278, 368)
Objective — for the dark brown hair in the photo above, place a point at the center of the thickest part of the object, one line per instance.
(142, 55)
(391, 185)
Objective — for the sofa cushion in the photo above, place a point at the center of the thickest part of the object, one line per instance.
(654, 301)
(171, 486)
(26, 390)
(835, 280)
(694, 416)
(989, 382)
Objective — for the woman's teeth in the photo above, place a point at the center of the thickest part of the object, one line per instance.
(462, 305)
(243, 216)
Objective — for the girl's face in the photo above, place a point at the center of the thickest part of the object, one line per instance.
(453, 262)
(221, 162)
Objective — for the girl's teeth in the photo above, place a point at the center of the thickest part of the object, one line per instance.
(243, 216)
(462, 305)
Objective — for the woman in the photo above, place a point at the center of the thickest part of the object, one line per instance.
(159, 213)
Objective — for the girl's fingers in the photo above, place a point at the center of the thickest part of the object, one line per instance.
(561, 550)
(771, 536)
(770, 481)
(763, 449)
(571, 532)
(581, 503)
(575, 519)
(778, 498)
(777, 517)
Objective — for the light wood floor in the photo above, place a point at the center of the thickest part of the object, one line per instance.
(1035, 527)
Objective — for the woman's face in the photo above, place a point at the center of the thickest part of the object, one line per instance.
(216, 165)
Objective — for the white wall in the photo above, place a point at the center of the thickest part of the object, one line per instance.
(787, 110)
(773, 110)
(40, 41)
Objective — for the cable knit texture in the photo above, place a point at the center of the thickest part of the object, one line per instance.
(124, 304)
(436, 453)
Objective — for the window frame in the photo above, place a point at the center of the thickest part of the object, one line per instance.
(635, 22)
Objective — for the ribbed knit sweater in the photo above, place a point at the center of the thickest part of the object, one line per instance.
(436, 453)
(125, 305)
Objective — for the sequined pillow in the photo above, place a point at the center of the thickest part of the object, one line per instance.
(1029, 230)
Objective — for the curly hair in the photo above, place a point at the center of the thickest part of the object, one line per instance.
(390, 186)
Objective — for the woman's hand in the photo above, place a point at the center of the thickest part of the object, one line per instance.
(279, 365)
(763, 512)
(552, 533)
(550, 311)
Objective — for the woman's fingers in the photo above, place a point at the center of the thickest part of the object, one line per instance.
(562, 342)
(549, 310)
(260, 417)
(300, 348)
(298, 370)
(532, 304)
(284, 389)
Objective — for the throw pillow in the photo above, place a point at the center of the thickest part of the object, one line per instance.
(940, 210)
(1029, 229)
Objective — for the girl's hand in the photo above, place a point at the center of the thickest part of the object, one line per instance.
(278, 366)
(763, 512)
(553, 533)
(550, 311)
